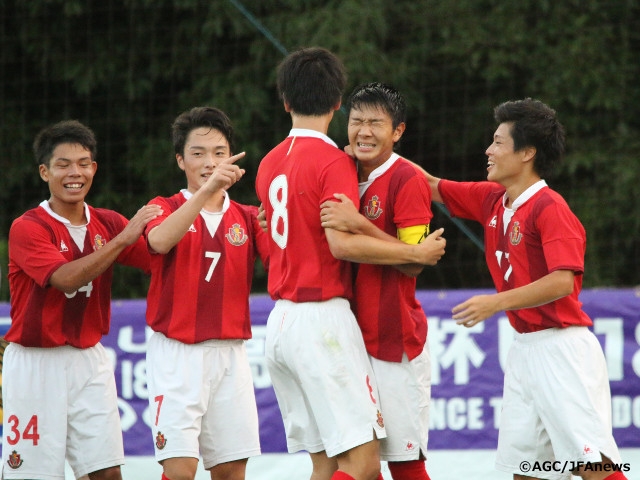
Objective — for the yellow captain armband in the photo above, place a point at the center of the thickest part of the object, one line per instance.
(413, 235)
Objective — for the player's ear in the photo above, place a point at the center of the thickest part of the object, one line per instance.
(529, 154)
(44, 172)
(399, 130)
(180, 160)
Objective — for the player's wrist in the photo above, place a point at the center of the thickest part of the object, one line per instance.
(417, 254)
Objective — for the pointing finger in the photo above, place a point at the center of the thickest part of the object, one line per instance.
(232, 159)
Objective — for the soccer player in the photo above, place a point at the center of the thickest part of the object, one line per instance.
(557, 401)
(58, 386)
(394, 198)
(204, 248)
(314, 349)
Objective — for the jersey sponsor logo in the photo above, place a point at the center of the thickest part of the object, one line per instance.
(380, 420)
(494, 221)
(63, 246)
(236, 235)
(14, 461)
(373, 210)
(516, 235)
(98, 242)
(161, 441)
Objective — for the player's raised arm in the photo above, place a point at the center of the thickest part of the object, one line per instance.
(165, 236)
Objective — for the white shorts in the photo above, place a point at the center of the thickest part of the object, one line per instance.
(59, 402)
(556, 403)
(405, 393)
(322, 377)
(201, 400)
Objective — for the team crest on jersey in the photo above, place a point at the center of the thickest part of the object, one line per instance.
(380, 420)
(14, 460)
(98, 242)
(236, 235)
(63, 246)
(516, 235)
(373, 209)
(161, 441)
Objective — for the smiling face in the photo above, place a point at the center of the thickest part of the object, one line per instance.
(203, 150)
(504, 165)
(69, 173)
(372, 136)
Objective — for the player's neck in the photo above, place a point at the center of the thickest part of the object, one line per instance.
(364, 171)
(74, 212)
(214, 203)
(518, 188)
(318, 123)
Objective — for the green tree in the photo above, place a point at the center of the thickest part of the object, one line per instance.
(128, 67)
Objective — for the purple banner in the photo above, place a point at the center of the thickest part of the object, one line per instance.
(467, 369)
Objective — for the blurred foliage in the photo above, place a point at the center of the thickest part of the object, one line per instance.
(128, 67)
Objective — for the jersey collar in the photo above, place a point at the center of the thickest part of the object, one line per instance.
(508, 213)
(378, 172)
(225, 205)
(47, 208)
(305, 132)
(524, 196)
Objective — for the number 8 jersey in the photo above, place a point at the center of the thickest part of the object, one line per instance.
(294, 179)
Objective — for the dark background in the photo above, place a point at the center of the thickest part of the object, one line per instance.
(128, 68)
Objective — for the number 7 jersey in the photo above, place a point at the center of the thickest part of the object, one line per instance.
(200, 289)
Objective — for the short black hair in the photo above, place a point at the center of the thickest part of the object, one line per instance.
(311, 81)
(66, 131)
(197, 117)
(382, 96)
(534, 124)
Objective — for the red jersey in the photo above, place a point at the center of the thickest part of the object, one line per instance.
(39, 244)
(542, 236)
(390, 317)
(293, 180)
(200, 289)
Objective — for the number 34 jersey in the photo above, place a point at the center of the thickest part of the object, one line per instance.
(200, 289)
(40, 242)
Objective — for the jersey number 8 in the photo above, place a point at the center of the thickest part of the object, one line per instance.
(278, 191)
